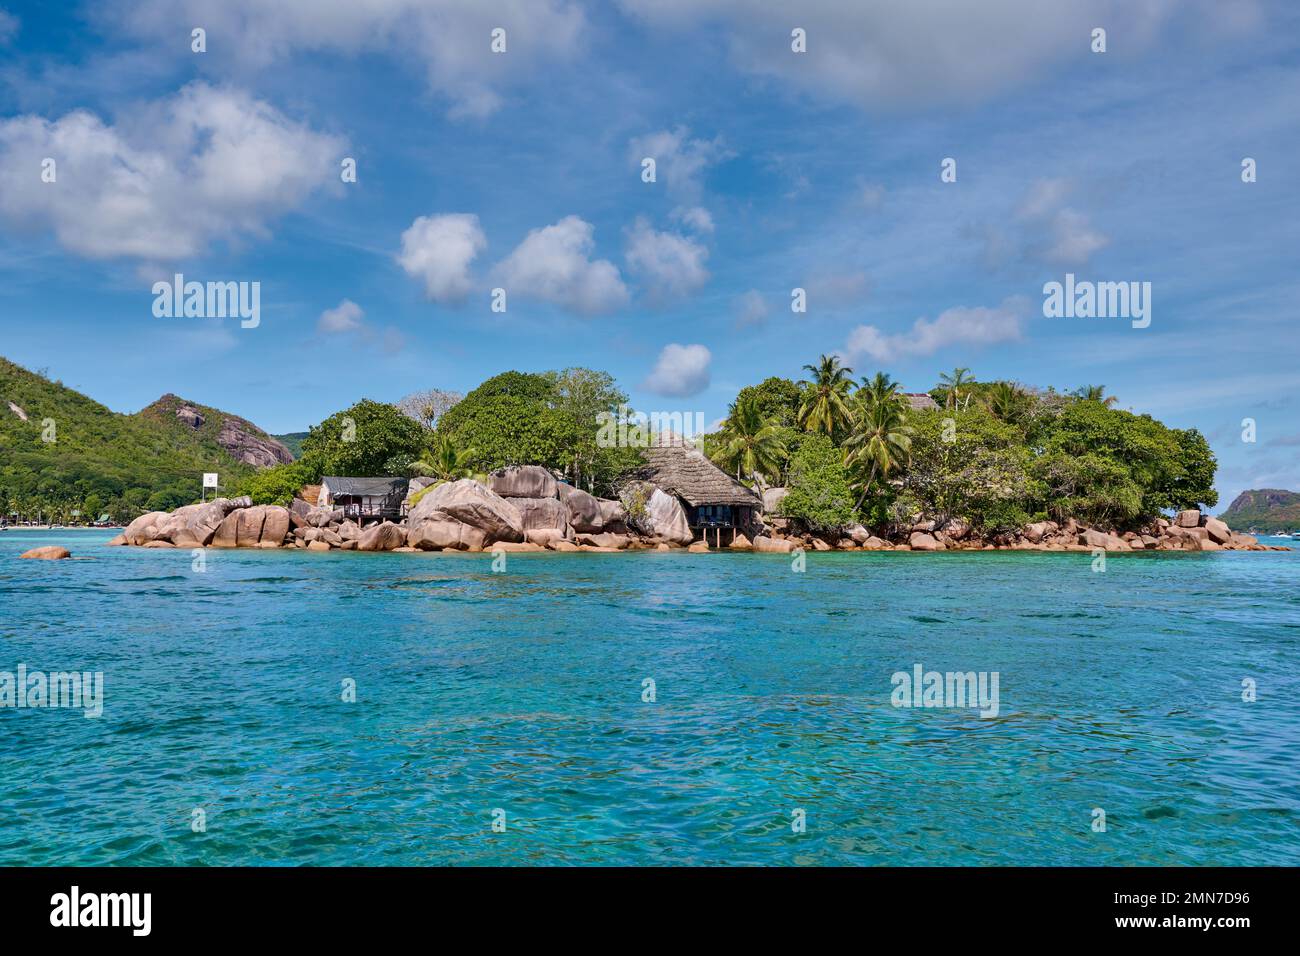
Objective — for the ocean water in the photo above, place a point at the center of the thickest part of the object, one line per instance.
(522, 692)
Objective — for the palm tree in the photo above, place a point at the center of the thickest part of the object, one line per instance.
(881, 442)
(444, 461)
(1004, 400)
(1094, 393)
(751, 444)
(954, 382)
(878, 389)
(826, 409)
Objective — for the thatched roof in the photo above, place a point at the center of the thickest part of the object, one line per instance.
(364, 486)
(681, 470)
(920, 401)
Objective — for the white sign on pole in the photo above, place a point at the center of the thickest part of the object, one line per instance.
(209, 479)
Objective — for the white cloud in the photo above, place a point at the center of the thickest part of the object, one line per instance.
(344, 317)
(554, 264)
(448, 38)
(671, 264)
(694, 217)
(681, 371)
(751, 309)
(866, 52)
(439, 251)
(348, 318)
(204, 165)
(680, 162)
(961, 325)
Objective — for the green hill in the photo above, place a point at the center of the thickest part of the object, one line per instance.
(60, 451)
(1264, 509)
(292, 441)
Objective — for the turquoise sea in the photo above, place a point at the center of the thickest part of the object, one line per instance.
(521, 691)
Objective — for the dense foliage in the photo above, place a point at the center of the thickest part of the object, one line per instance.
(820, 493)
(73, 454)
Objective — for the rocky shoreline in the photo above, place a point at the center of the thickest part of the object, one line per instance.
(526, 509)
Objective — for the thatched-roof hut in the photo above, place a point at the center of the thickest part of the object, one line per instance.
(362, 498)
(712, 498)
(920, 401)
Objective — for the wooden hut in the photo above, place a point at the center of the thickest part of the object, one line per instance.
(714, 501)
(364, 499)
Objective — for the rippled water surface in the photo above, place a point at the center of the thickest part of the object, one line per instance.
(523, 691)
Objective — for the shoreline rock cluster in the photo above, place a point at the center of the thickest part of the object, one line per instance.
(526, 509)
(1187, 531)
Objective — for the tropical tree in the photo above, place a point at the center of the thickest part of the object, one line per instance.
(881, 388)
(751, 444)
(1005, 401)
(445, 461)
(429, 405)
(825, 407)
(881, 441)
(1094, 393)
(954, 384)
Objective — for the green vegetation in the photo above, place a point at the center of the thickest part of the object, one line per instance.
(368, 439)
(821, 493)
(1265, 509)
(292, 441)
(73, 454)
(995, 454)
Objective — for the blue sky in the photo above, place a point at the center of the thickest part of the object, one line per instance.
(775, 170)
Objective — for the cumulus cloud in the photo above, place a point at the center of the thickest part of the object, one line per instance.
(348, 318)
(865, 52)
(671, 265)
(344, 317)
(554, 264)
(696, 218)
(680, 162)
(977, 326)
(681, 371)
(439, 250)
(449, 39)
(204, 165)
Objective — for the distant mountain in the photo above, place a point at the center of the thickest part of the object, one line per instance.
(1264, 509)
(292, 441)
(60, 450)
(238, 437)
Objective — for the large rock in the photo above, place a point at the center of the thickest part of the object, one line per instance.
(1188, 519)
(468, 502)
(382, 537)
(613, 515)
(275, 527)
(778, 545)
(605, 540)
(203, 524)
(1218, 531)
(49, 552)
(523, 481)
(144, 528)
(656, 514)
(924, 541)
(437, 531)
(248, 532)
(585, 512)
(858, 533)
(538, 514)
(772, 499)
(227, 534)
